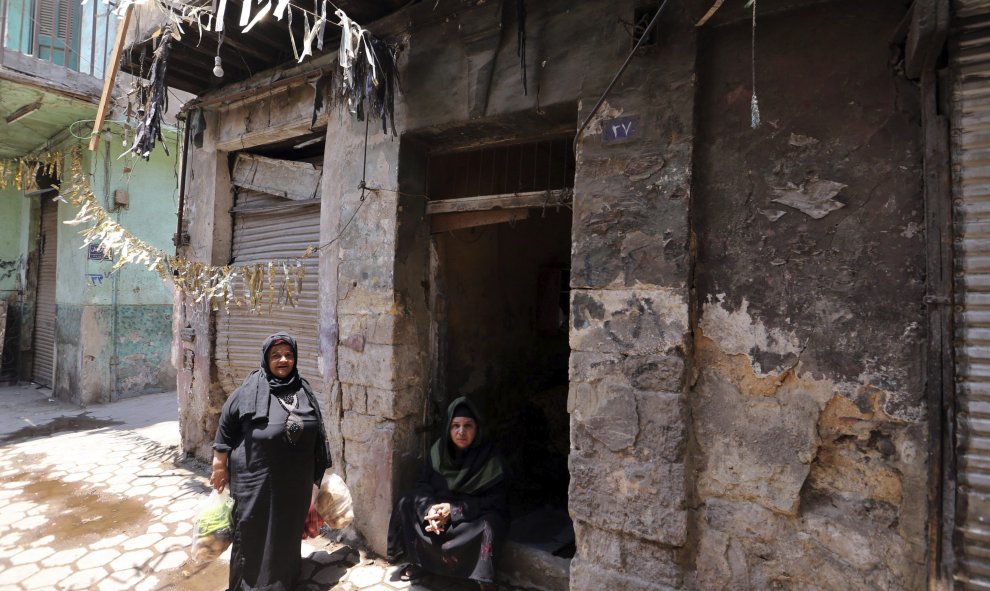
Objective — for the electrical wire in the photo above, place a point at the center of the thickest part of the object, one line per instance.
(643, 37)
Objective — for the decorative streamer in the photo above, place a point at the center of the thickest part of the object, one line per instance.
(260, 283)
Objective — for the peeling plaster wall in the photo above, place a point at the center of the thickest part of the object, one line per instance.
(116, 345)
(809, 435)
(14, 224)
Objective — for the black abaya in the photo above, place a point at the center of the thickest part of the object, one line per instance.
(271, 482)
(473, 481)
(272, 473)
(469, 546)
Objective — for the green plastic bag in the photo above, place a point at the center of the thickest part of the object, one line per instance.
(213, 530)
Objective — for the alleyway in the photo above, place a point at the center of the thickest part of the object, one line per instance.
(95, 499)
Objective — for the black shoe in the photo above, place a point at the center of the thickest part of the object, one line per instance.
(412, 572)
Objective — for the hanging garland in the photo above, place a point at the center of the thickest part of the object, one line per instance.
(271, 283)
(21, 172)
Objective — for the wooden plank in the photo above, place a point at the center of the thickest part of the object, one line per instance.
(939, 382)
(114, 65)
(507, 201)
(297, 181)
(446, 222)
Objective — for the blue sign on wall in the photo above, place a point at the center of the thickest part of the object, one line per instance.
(620, 128)
(97, 254)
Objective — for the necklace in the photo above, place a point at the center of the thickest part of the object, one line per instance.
(288, 401)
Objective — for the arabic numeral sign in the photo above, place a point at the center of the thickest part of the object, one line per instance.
(620, 128)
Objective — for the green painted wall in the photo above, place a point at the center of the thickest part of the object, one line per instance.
(13, 205)
(151, 216)
(129, 345)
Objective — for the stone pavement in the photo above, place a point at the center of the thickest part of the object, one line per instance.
(99, 498)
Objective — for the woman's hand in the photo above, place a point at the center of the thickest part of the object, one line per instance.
(221, 475)
(437, 518)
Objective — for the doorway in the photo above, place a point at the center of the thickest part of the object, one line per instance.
(500, 220)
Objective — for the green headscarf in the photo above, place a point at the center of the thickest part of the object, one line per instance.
(472, 470)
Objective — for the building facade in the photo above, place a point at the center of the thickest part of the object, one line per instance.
(705, 303)
(70, 324)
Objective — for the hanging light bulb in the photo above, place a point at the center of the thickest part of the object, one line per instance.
(217, 68)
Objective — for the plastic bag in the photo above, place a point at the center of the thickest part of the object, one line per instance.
(213, 529)
(333, 502)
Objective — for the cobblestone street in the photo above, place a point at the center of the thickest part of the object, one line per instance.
(96, 499)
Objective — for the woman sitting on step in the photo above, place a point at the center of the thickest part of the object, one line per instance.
(454, 522)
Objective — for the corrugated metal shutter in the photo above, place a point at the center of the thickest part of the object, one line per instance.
(968, 8)
(282, 229)
(44, 311)
(970, 57)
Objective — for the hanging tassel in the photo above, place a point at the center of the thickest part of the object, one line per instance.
(754, 103)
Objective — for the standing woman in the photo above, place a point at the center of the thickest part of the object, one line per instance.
(271, 447)
(454, 522)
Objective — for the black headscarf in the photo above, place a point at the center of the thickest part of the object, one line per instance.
(466, 471)
(261, 384)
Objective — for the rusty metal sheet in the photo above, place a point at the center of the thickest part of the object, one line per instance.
(970, 55)
(259, 237)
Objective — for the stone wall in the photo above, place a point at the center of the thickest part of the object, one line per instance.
(630, 325)
(807, 400)
(741, 381)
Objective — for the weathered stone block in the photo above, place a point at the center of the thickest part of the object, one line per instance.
(394, 404)
(622, 495)
(358, 427)
(354, 398)
(663, 426)
(370, 472)
(608, 411)
(622, 553)
(655, 372)
(381, 329)
(380, 366)
(586, 576)
(628, 321)
(592, 366)
(650, 425)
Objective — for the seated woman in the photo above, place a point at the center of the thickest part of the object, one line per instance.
(455, 520)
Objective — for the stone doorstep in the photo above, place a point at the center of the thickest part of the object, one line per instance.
(529, 568)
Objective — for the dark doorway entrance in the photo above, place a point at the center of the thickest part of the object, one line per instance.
(501, 226)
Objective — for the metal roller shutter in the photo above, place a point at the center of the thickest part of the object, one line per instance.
(280, 229)
(970, 57)
(44, 311)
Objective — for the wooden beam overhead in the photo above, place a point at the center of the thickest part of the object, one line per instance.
(493, 202)
(114, 63)
(447, 222)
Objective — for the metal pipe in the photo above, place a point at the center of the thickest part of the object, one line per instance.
(646, 33)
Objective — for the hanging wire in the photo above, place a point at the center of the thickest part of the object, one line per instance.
(361, 185)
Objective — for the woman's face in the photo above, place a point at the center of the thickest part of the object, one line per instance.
(281, 360)
(463, 431)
